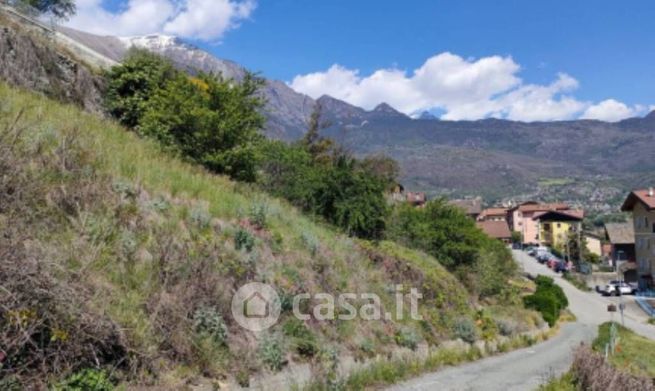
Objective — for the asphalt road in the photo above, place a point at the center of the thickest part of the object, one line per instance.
(526, 369)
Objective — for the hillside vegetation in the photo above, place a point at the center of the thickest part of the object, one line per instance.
(121, 247)
(112, 251)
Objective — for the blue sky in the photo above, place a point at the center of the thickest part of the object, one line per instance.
(604, 49)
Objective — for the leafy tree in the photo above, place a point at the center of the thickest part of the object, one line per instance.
(444, 231)
(210, 120)
(214, 122)
(131, 84)
(336, 187)
(62, 9)
(317, 145)
(382, 167)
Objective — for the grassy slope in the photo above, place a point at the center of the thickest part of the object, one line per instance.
(150, 238)
(634, 354)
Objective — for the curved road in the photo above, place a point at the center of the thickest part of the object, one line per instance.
(526, 369)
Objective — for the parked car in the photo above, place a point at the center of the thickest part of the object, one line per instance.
(552, 262)
(616, 288)
(563, 266)
(544, 257)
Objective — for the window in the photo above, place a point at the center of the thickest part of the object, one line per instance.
(559, 225)
(653, 228)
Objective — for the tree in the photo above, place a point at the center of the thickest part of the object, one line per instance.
(317, 145)
(382, 167)
(214, 122)
(131, 84)
(62, 9)
(517, 237)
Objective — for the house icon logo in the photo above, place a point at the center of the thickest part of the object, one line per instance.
(256, 306)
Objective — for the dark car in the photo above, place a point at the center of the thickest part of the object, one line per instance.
(544, 257)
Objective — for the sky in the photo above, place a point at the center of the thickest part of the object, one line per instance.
(459, 59)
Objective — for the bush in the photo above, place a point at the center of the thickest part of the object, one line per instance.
(310, 242)
(549, 299)
(507, 327)
(483, 264)
(259, 215)
(211, 121)
(327, 182)
(465, 329)
(86, 380)
(207, 321)
(407, 338)
(244, 240)
(302, 339)
(271, 352)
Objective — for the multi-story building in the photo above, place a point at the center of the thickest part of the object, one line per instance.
(520, 219)
(555, 227)
(642, 205)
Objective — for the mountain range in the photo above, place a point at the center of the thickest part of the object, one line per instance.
(499, 159)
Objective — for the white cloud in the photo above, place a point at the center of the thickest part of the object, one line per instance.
(611, 110)
(461, 88)
(199, 19)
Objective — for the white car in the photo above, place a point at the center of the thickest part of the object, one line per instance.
(616, 288)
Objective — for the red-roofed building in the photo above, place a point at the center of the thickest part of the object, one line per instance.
(496, 229)
(521, 218)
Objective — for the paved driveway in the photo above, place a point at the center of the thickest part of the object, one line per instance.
(526, 369)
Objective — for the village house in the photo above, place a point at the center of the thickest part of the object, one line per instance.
(594, 243)
(642, 205)
(496, 229)
(520, 219)
(471, 206)
(493, 214)
(417, 199)
(621, 239)
(555, 226)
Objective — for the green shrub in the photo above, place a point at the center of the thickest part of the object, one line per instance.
(302, 339)
(87, 380)
(310, 242)
(207, 321)
(549, 299)
(448, 234)
(271, 352)
(407, 338)
(200, 217)
(507, 327)
(244, 240)
(207, 119)
(465, 329)
(259, 215)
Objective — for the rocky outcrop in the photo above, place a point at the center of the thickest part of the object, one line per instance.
(33, 61)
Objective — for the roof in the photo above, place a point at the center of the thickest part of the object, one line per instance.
(620, 233)
(493, 212)
(495, 229)
(537, 207)
(415, 197)
(560, 215)
(471, 206)
(645, 196)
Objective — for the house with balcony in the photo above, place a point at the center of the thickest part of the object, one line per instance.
(520, 218)
(555, 226)
(642, 205)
